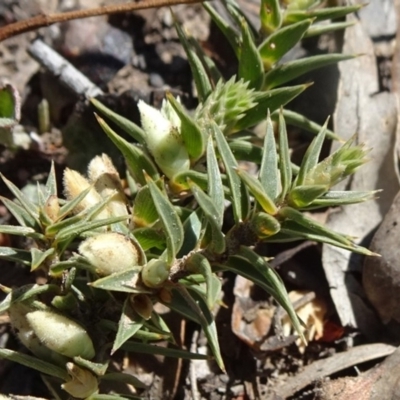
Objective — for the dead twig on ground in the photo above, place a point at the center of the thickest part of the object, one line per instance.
(42, 20)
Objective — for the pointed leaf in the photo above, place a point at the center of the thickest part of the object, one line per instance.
(200, 77)
(270, 100)
(128, 325)
(270, 16)
(195, 309)
(136, 160)
(300, 121)
(224, 27)
(293, 69)
(250, 63)
(269, 173)
(170, 220)
(339, 198)
(163, 351)
(144, 212)
(51, 184)
(125, 281)
(215, 187)
(124, 378)
(197, 263)
(34, 363)
(16, 255)
(240, 197)
(19, 213)
(284, 159)
(31, 208)
(21, 231)
(38, 257)
(280, 42)
(258, 192)
(206, 204)
(192, 230)
(149, 238)
(190, 131)
(320, 14)
(321, 29)
(275, 282)
(303, 196)
(129, 127)
(311, 158)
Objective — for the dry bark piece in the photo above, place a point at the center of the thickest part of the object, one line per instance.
(372, 116)
(380, 382)
(381, 275)
(328, 366)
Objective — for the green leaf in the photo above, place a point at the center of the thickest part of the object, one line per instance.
(129, 127)
(280, 42)
(192, 231)
(239, 195)
(51, 183)
(124, 378)
(34, 363)
(136, 159)
(215, 187)
(190, 130)
(30, 207)
(197, 263)
(128, 325)
(98, 369)
(200, 77)
(339, 198)
(170, 220)
(21, 231)
(144, 212)
(124, 281)
(303, 196)
(193, 306)
(321, 29)
(270, 16)
(284, 159)
(311, 158)
(294, 231)
(16, 255)
(77, 229)
(300, 121)
(246, 151)
(206, 204)
(271, 282)
(265, 225)
(270, 100)
(149, 238)
(163, 351)
(38, 256)
(23, 217)
(288, 71)
(320, 14)
(312, 226)
(224, 27)
(269, 173)
(258, 192)
(250, 63)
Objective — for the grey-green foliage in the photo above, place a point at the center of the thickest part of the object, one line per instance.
(167, 244)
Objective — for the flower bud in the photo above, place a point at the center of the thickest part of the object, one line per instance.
(74, 185)
(265, 225)
(163, 138)
(154, 273)
(61, 334)
(52, 208)
(142, 304)
(27, 336)
(106, 180)
(110, 252)
(82, 384)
